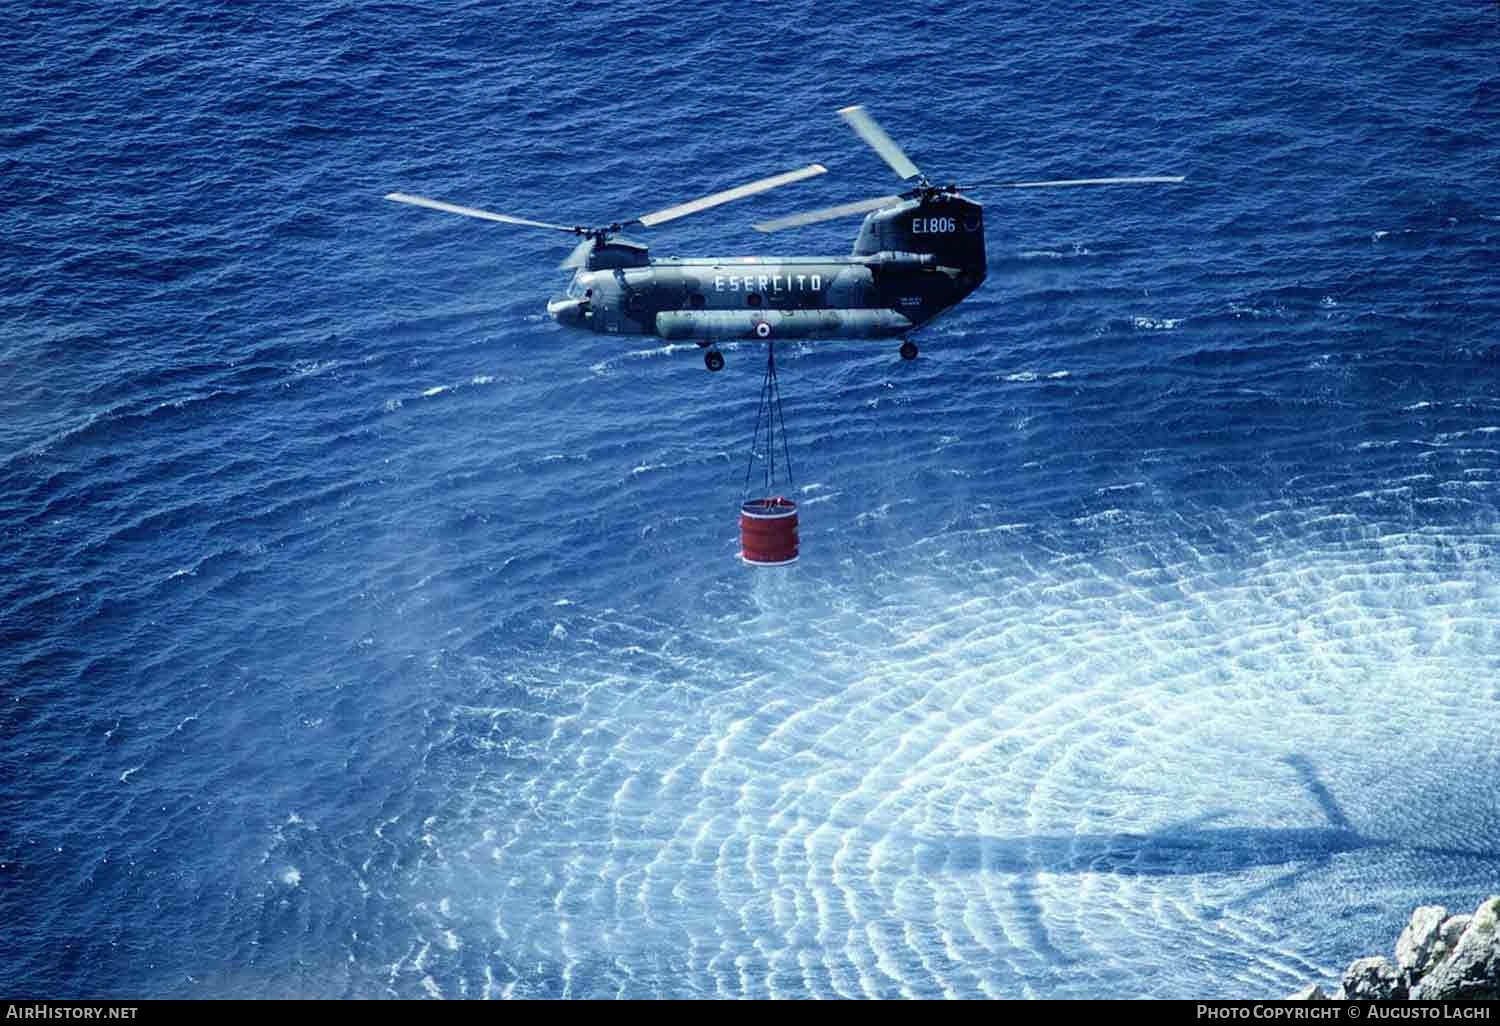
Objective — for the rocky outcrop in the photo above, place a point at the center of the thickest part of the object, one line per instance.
(1421, 944)
(1438, 958)
(1472, 971)
(1372, 979)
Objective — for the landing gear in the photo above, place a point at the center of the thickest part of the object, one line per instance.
(713, 360)
(908, 349)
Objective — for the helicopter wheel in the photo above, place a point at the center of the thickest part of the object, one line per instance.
(908, 350)
(713, 360)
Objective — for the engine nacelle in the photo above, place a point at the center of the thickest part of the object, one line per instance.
(617, 253)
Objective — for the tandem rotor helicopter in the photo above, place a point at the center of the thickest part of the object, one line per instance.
(918, 253)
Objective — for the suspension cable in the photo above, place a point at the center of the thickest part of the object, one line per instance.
(755, 437)
(771, 411)
(781, 416)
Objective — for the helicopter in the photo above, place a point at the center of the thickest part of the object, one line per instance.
(918, 253)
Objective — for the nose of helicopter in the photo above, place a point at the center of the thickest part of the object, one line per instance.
(566, 310)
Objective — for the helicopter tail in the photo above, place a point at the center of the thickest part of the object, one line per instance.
(946, 225)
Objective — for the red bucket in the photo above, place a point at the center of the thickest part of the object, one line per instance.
(768, 531)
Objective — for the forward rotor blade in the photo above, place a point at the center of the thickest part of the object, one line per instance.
(579, 256)
(827, 213)
(858, 118)
(728, 195)
(1154, 180)
(484, 215)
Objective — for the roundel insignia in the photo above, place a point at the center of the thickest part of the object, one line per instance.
(971, 223)
(762, 329)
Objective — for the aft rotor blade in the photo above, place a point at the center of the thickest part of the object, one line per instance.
(827, 213)
(729, 195)
(859, 119)
(1065, 182)
(484, 215)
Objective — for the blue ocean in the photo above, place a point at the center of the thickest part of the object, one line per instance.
(363, 633)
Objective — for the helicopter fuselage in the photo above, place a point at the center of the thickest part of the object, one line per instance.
(911, 262)
(918, 254)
